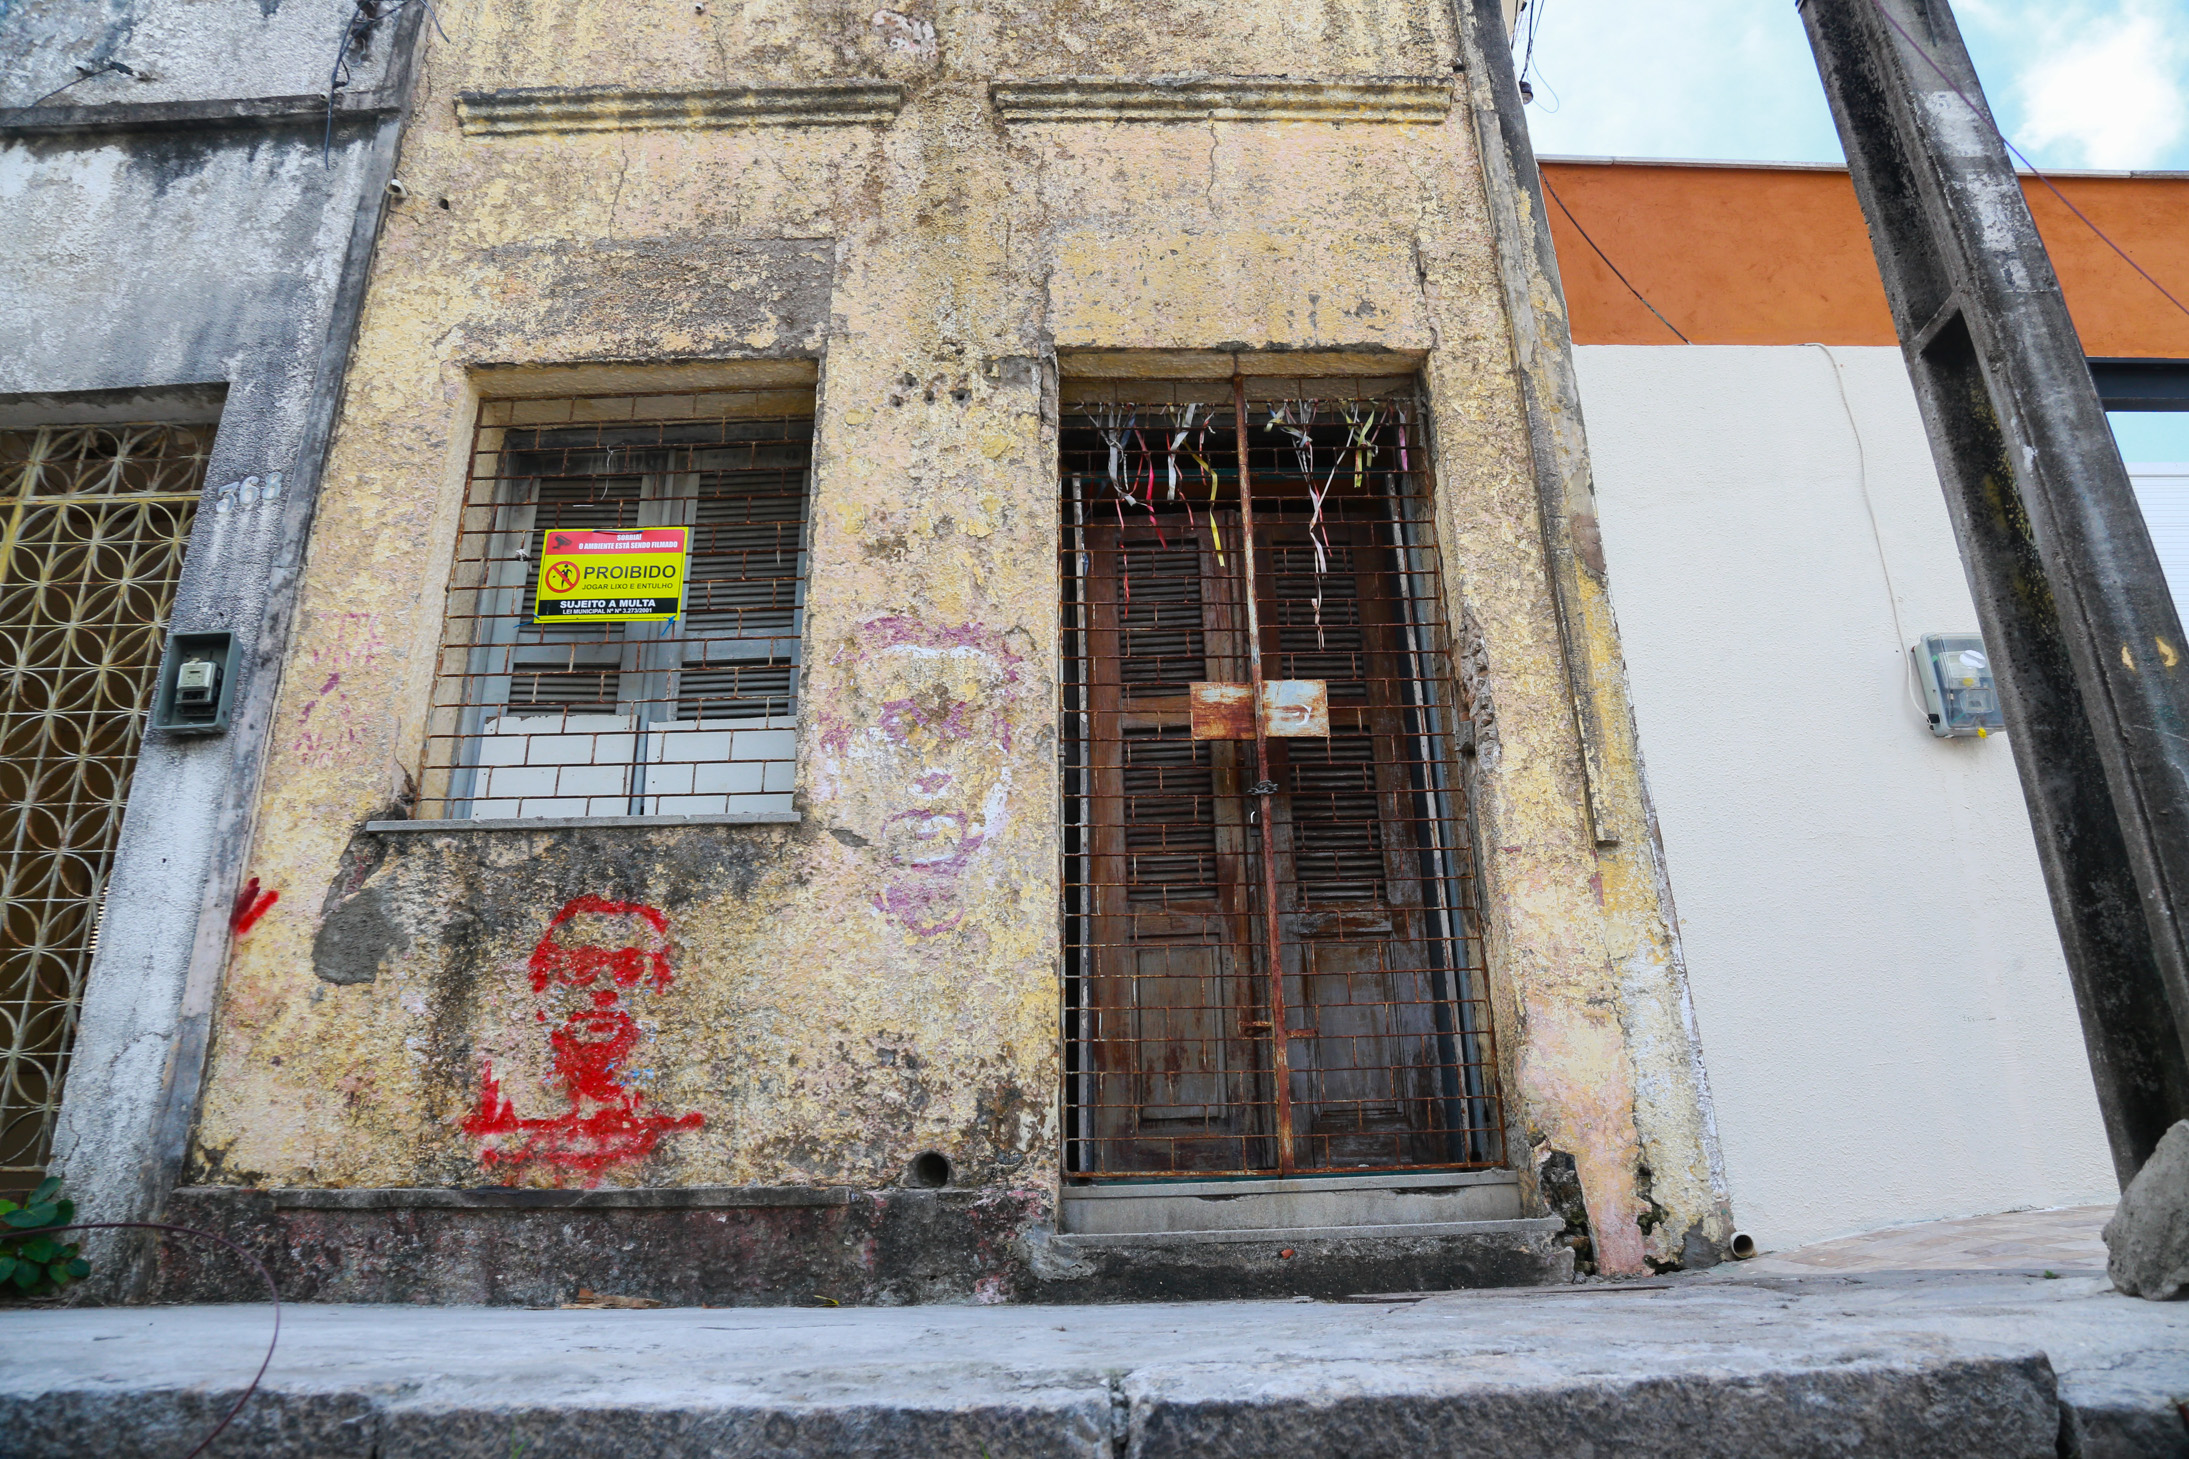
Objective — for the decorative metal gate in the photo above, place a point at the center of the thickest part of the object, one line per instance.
(97, 518)
(1370, 1048)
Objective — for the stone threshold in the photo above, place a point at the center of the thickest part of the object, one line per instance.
(1526, 1226)
(1375, 1204)
(1279, 1186)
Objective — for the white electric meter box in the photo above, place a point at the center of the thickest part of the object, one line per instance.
(1958, 692)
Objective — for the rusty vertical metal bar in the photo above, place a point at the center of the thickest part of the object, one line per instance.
(1280, 1036)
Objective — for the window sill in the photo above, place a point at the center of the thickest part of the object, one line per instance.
(576, 823)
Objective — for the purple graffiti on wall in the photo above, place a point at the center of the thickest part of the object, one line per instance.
(935, 751)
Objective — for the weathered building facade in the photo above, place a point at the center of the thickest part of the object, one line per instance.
(189, 213)
(888, 924)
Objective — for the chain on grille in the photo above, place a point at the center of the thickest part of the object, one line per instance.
(1170, 1015)
(97, 519)
(692, 717)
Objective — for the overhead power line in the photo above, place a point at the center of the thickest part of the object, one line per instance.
(1917, 47)
(1622, 278)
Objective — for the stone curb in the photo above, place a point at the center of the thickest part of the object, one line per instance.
(1992, 1406)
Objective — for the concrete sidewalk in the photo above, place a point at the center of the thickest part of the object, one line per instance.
(1734, 1362)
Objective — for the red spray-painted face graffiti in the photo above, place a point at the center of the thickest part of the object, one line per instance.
(593, 951)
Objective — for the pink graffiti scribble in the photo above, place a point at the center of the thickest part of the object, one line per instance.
(931, 850)
(924, 908)
(607, 1122)
(901, 716)
(897, 632)
(932, 838)
(325, 689)
(944, 700)
(327, 732)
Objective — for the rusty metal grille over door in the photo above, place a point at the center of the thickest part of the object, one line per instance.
(97, 519)
(1171, 1017)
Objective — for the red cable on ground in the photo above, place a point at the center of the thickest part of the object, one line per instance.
(273, 1294)
(1917, 47)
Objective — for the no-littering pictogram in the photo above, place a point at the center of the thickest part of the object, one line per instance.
(612, 577)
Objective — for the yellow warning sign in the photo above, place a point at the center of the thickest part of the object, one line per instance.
(612, 577)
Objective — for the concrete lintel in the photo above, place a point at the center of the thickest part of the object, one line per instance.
(491, 1198)
(576, 823)
(520, 112)
(182, 404)
(497, 380)
(1224, 98)
(1426, 1230)
(1261, 367)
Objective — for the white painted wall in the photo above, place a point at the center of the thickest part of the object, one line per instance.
(1885, 1014)
(2162, 490)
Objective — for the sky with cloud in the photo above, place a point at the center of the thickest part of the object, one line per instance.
(2074, 83)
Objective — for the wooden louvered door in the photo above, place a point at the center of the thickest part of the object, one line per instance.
(1362, 1004)
(1176, 1023)
(1180, 1081)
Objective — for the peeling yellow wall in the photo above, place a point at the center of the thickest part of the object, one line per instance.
(831, 1014)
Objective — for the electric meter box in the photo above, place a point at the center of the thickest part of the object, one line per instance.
(1958, 692)
(197, 686)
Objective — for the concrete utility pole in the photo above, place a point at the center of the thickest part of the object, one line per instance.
(2083, 637)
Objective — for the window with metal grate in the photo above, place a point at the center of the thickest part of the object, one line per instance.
(695, 716)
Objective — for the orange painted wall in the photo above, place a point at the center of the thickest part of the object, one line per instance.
(1779, 255)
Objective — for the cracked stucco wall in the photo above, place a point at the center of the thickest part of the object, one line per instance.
(827, 1028)
(202, 263)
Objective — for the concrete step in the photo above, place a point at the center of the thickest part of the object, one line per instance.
(1896, 1364)
(1414, 1199)
(731, 1245)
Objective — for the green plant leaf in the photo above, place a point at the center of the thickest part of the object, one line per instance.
(58, 1270)
(79, 1268)
(46, 1190)
(7, 1206)
(35, 1216)
(26, 1274)
(67, 1210)
(38, 1251)
(7, 1267)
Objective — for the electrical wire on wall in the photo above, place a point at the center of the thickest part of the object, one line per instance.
(1877, 535)
(1532, 11)
(356, 34)
(86, 73)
